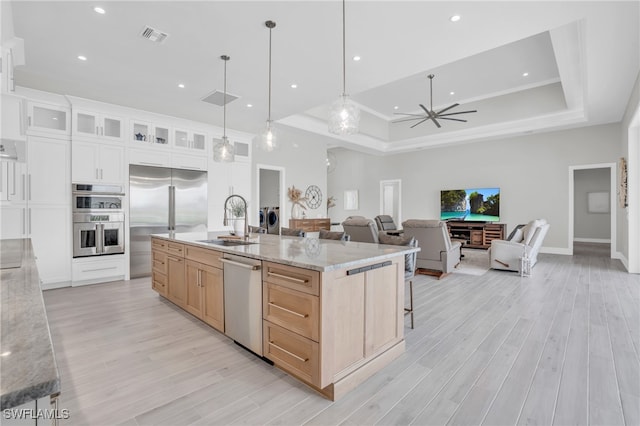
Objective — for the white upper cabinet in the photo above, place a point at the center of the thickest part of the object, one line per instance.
(146, 132)
(190, 140)
(95, 125)
(14, 117)
(48, 120)
(97, 163)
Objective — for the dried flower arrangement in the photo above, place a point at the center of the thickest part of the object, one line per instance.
(331, 202)
(295, 196)
(236, 207)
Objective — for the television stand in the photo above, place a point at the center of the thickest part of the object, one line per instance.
(476, 234)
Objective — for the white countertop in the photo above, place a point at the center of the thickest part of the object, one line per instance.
(309, 253)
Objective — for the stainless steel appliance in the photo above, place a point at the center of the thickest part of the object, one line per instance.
(243, 301)
(162, 200)
(273, 220)
(98, 220)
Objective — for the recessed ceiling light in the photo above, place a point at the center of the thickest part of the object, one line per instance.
(395, 107)
(54, 118)
(99, 10)
(6, 353)
(525, 74)
(249, 105)
(452, 93)
(181, 86)
(455, 18)
(82, 58)
(294, 86)
(356, 58)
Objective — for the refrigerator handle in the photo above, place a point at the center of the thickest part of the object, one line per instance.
(172, 208)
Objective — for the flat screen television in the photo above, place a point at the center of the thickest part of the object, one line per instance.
(470, 205)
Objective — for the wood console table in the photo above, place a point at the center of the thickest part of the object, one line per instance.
(476, 235)
(310, 225)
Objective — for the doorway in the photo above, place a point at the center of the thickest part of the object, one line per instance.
(391, 199)
(270, 198)
(592, 218)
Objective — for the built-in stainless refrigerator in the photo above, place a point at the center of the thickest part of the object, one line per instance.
(162, 200)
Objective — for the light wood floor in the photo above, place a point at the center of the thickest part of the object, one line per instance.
(559, 348)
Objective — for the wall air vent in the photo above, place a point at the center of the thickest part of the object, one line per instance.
(154, 35)
(217, 98)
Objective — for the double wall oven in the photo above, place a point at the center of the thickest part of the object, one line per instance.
(98, 220)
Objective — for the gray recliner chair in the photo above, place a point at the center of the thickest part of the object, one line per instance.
(527, 239)
(361, 229)
(385, 223)
(437, 251)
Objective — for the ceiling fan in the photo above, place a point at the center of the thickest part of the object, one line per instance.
(430, 114)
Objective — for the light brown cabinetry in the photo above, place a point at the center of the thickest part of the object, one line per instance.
(310, 225)
(191, 277)
(476, 235)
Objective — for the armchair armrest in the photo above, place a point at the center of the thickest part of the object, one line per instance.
(506, 254)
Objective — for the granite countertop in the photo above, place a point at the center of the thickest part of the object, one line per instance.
(309, 252)
(28, 368)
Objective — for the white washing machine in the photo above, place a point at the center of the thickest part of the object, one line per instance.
(273, 220)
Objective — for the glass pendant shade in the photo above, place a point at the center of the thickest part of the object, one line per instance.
(344, 116)
(223, 151)
(269, 137)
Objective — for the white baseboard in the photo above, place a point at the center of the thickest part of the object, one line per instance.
(52, 286)
(556, 250)
(592, 240)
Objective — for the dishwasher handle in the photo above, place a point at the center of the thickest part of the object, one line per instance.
(242, 265)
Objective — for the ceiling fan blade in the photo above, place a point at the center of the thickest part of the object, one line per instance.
(454, 113)
(406, 113)
(401, 120)
(419, 122)
(453, 119)
(447, 109)
(431, 116)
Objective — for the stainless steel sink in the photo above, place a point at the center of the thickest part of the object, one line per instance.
(227, 242)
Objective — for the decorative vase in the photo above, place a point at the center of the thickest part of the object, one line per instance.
(296, 211)
(237, 226)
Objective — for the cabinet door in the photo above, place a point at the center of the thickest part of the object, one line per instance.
(111, 164)
(141, 132)
(48, 180)
(212, 296)
(177, 291)
(112, 128)
(85, 124)
(13, 180)
(84, 162)
(13, 117)
(13, 221)
(193, 300)
(381, 308)
(50, 232)
(46, 119)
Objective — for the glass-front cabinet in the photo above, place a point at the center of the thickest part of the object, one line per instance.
(89, 124)
(145, 132)
(49, 119)
(192, 140)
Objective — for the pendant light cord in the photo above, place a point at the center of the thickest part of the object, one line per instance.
(344, 54)
(224, 109)
(269, 116)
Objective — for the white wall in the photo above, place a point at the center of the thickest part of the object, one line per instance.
(590, 226)
(303, 157)
(531, 171)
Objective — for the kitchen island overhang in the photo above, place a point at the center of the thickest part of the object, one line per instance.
(332, 311)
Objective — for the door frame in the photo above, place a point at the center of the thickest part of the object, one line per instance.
(612, 202)
(283, 212)
(399, 206)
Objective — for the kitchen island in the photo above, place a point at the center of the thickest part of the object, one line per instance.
(332, 312)
(28, 372)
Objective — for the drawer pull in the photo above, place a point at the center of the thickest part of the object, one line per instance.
(288, 310)
(286, 277)
(288, 353)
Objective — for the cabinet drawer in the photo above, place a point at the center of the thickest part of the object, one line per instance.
(175, 249)
(322, 224)
(293, 310)
(150, 157)
(189, 162)
(159, 282)
(304, 280)
(159, 262)
(293, 353)
(158, 244)
(202, 255)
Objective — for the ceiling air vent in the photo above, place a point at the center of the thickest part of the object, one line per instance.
(217, 98)
(153, 34)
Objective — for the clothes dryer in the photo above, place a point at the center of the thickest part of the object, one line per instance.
(273, 220)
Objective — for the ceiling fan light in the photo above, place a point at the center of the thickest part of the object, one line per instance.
(223, 151)
(269, 137)
(344, 117)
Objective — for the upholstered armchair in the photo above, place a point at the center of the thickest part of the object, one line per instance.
(437, 251)
(361, 229)
(386, 224)
(506, 254)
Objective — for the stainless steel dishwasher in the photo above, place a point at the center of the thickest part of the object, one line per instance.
(243, 301)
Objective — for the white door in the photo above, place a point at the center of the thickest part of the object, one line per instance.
(390, 199)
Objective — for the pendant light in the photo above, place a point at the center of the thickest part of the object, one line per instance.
(268, 139)
(223, 150)
(344, 114)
